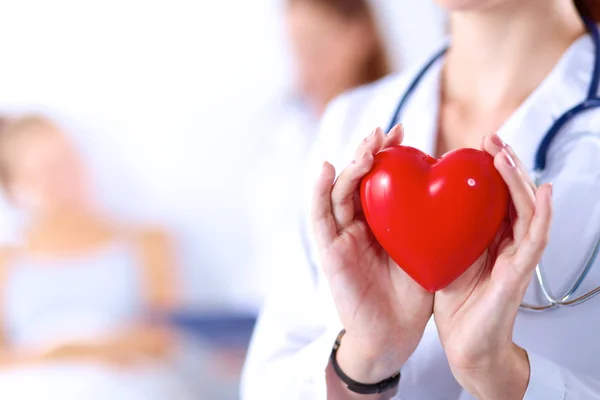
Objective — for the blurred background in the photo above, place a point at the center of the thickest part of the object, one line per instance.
(175, 130)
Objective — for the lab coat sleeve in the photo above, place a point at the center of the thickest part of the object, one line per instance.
(575, 169)
(289, 351)
(549, 381)
(294, 336)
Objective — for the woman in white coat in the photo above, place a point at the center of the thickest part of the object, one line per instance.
(514, 67)
(336, 46)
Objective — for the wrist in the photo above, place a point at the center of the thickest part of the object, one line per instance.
(368, 367)
(506, 379)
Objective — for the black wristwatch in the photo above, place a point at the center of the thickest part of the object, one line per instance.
(356, 387)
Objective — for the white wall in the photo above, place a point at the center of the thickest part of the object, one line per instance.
(159, 94)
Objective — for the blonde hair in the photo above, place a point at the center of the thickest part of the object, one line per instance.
(11, 128)
(23, 123)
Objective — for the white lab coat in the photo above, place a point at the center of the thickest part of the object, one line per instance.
(298, 325)
(274, 198)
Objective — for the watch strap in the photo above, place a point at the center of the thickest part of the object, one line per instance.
(357, 387)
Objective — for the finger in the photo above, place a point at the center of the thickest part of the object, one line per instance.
(493, 145)
(522, 196)
(531, 249)
(371, 145)
(345, 188)
(394, 137)
(321, 216)
(521, 166)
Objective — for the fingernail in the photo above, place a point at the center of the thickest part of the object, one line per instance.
(509, 159)
(497, 141)
(551, 185)
(510, 151)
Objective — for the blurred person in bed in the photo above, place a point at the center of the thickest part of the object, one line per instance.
(336, 45)
(77, 294)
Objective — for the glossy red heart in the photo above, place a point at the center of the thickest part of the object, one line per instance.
(434, 217)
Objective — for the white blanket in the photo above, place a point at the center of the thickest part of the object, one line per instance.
(92, 382)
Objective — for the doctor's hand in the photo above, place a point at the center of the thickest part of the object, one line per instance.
(383, 311)
(476, 314)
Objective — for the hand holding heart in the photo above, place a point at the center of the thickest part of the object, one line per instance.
(384, 311)
(475, 315)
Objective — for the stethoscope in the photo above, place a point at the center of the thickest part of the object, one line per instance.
(591, 101)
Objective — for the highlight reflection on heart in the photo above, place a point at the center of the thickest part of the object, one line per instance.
(434, 217)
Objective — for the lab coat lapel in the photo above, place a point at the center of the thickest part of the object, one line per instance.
(565, 87)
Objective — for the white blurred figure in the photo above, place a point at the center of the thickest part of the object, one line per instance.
(77, 293)
(336, 45)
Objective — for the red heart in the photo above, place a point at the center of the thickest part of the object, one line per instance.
(434, 217)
